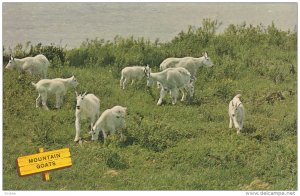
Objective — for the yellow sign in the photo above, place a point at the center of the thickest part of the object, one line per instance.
(44, 161)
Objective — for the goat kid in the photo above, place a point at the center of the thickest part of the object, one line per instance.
(109, 122)
(132, 73)
(236, 113)
(57, 86)
(173, 80)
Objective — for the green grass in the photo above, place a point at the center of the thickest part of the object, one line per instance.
(183, 147)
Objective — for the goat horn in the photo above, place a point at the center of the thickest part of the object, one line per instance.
(84, 93)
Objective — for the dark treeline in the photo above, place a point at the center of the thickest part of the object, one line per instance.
(238, 43)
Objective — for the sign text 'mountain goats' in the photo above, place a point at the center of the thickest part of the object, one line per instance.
(45, 161)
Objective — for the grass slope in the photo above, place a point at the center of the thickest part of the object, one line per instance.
(183, 147)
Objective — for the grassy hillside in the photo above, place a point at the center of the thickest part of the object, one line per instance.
(183, 147)
(186, 146)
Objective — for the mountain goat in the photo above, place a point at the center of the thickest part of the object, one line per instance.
(37, 65)
(189, 63)
(57, 86)
(132, 73)
(87, 107)
(110, 121)
(172, 79)
(236, 113)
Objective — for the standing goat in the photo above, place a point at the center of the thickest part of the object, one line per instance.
(37, 65)
(172, 79)
(236, 113)
(57, 86)
(190, 63)
(132, 73)
(87, 107)
(110, 121)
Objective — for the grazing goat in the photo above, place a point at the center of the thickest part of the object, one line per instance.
(132, 73)
(110, 121)
(172, 79)
(236, 113)
(57, 86)
(37, 65)
(87, 107)
(189, 63)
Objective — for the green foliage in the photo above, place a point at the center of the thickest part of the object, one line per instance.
(225, 90)
(120, 53)
(113, 159)
(183, 147)
(156, 136)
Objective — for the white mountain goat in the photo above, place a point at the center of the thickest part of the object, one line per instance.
(132, 73)
(236, 113)
(172, 79)
(87, 107)
(37, 65)
(109, 122)
(190, 63)
(57, 86)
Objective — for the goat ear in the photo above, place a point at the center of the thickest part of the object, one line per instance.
(76, 93)
(205, 54)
